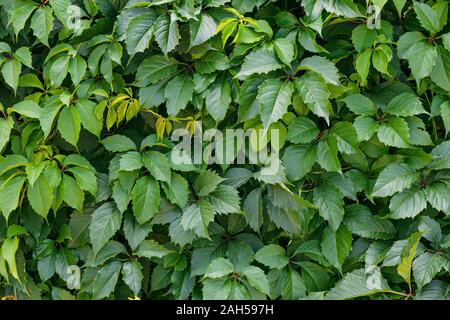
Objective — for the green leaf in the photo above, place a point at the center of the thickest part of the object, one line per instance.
(118, 143)
(275, 97)
(151, 249)
(327, 157)
(59, 70)
(177, 191)
(69, 125)
(329, 201)
(336, 245)
(219, 268)
(106, 280)
(365, 127)
(259, 61)
(346, 136)
(322, 66)
(295, 169)
(140, 32)
(166, 32)
(11, 72)
(394, 178)
(10, 193)
(225, 199)
(145, 197)
(73, 195)
(394, 132)
(426, 267)
(427, 17)
(359, 104)
(178, 93)
(154, 69)
(197, 218)
(40, 196)
(42, 24)
(9, 249)
(405, 105)
(134, 232)
(284, 48)
(302, 130)
(407, 204)
(315, 94)
(77, 68)
(202, 29)
(272, 256)
(106, 221)
(437, 196)
(218, 98)
(257, 279)
(355, 284)
(27, 108)
(6, 125)
(20, 14)
(363, 65)
(207, 182)
(360, 221)
(132, 276)
(158, 165)
(363, 37)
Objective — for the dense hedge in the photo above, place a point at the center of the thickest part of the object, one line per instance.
(93, 205)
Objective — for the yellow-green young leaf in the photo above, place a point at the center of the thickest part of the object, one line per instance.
(9, 249)
(407, 256)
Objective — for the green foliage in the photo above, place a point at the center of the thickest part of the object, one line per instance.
(92, 206)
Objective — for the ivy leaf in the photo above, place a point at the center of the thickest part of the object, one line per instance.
(359, 104)
(302, 130)
(275, 97)
(166, 32)
(145, 197)
(407, 204)
(6, 125)
(315, 94)
(158, 165)
(259, 61)
(40, 195)
(10, 191)
(177, 191)
(427, 17)
(394, 132)
(11, 72)
(405, 105)
(106, 221)
(106, 280)
(426, 267)
(42, 24)
(118, 143)
(202, 30)
(207, 182)
(327, 157)
(322, 66)
(132, 276)
(178, 93)
(329, 201)
(218, 98)
(336, 245)
(257, 279)
(272, 256)
(394, 178)
(9, 249)
(197, 218)
(219, 268)
(151, 249)
(69, 125)
(140, 32)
